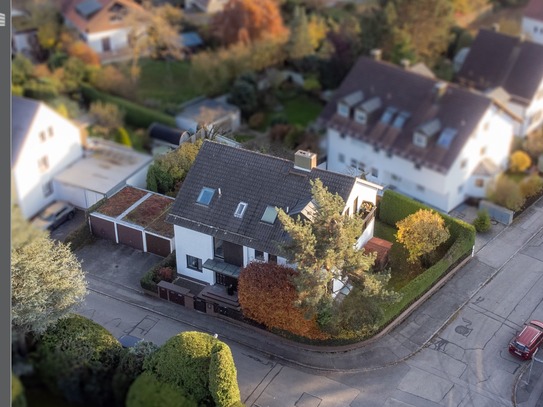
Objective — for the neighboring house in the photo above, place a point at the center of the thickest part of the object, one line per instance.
(509, 69)
(24, 39)
(105, 168)
(102, 24)
(429, 139)
(43, 144)
(225, 214)
(205, 6)
(191, 42)
(214, 114)
(532, 21)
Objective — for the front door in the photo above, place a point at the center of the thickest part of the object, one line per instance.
(106, 44)
(226, 281)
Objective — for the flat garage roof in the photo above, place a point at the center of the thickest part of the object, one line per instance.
(104, 166)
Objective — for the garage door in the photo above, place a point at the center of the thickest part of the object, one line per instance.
(157, 245)
(130, 237)
(102, 228)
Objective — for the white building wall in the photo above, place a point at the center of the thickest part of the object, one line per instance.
(118, 39)
(139, 179)
(533, 29)
(196, 244)
(534, 112)
(61, 149)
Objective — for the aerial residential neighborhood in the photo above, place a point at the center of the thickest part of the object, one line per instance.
(277, 203)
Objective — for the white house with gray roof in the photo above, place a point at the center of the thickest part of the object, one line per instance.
(225, 214)
(428, 139)
(43, 144)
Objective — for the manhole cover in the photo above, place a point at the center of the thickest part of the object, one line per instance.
(462, 330)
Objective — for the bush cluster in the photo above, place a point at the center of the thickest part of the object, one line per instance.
(152, 277)
(482, 221)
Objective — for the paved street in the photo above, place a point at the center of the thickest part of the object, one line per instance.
(452, 351)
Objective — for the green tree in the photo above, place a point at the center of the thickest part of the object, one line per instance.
(107, 117)
(46, 17)
(244, 94)
(299, 44)
(47, 282)
(506, 192)
(147, 391)
(323, 248)
(421, 233)
(76, 358)
(21, 70)
(482, 221)
(416, 28)
(533, 143)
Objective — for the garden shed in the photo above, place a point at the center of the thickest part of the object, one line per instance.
(135, 217)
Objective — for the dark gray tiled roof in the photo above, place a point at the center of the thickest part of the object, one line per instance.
(246, 176)
(497, 59)
(23, 111)
(415, 94)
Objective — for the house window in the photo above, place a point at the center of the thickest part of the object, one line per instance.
(421, 188)
(464, 163)
(420, 140)
(240, 210)
(417, 166)
(460, 188)
(272, 258)
(343, 110)
(479, 183)
(347, 211)
(194, 263)
(270, 214)
(374, 172)
(43, 163)
(218, 250)
(354, 163)
(42, 136)
(259, 255)
(342, 135)
(341, 158)
(47, 189)
(361, 166)
(396, 177)
(50, 131)
(206, 194)
(483, 150)
(361, 117)
(486, 126)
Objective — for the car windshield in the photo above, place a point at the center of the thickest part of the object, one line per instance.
(520, 347)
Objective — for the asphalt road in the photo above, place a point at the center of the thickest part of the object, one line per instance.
(466, 364)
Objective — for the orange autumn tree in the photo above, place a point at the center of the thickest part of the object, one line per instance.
(247, 21)
(266, 295)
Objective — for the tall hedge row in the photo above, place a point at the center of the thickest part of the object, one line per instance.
(76, 358)
(185, 360)
(135, 115)
(394, 207)
(223, 382)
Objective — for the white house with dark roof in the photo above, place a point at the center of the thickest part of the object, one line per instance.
(43, 144)
(509, 70)
(225, 214)
(532, 21)
(428, 139)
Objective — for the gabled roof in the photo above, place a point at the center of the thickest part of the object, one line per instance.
(534, 9)
(497, 59)
(253, 178)
(421, 99)
(91, 16)
(23, 113)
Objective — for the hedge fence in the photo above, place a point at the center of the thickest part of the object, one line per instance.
(135, 115)
(150, 279)
(395, 207)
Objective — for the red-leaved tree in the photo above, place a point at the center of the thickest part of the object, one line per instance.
(248, 21)
(266, 295)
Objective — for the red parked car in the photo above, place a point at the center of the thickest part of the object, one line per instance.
(525, 343)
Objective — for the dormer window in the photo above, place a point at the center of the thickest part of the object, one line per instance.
(270, 214)
(206, 194)
(348, 102)
(420, 139)
(446, 137)
(343, 110)
(425, 132)
(240, 210)
(360, 116)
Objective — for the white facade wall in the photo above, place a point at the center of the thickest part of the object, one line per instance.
(59, 150)
(196, 244)
(22, 40)
(534, 112)
(139, 179)
(118, 39)
(442, 191)
(533, 29)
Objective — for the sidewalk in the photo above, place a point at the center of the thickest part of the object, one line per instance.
(405, 340)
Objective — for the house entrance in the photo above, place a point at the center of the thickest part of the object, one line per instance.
(225, 280)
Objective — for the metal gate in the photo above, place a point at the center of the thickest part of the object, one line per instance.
(199, 305)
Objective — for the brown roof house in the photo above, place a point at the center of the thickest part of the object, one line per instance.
(102, 24)
(424, 137)
(532, 21)
(225, 213)
(509, 70)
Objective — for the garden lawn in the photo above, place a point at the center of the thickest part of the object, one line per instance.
(166, 82)
(302, 110)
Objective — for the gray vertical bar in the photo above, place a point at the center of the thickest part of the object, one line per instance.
(5, 162)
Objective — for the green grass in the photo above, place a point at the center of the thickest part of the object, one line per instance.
(302, 110)
(384, 231)
(242, 138)
(167, 82)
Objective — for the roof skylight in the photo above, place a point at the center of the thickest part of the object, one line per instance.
(270, 214)
(206, 194)
(240, 210)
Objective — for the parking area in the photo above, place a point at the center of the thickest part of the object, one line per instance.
(69, 226)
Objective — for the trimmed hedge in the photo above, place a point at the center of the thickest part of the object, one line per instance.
(395, 207)
(76, 358)
(135, 115)
(80, 237)
(150, 279)
(18, 398)
(147, 391)
(186, 361)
